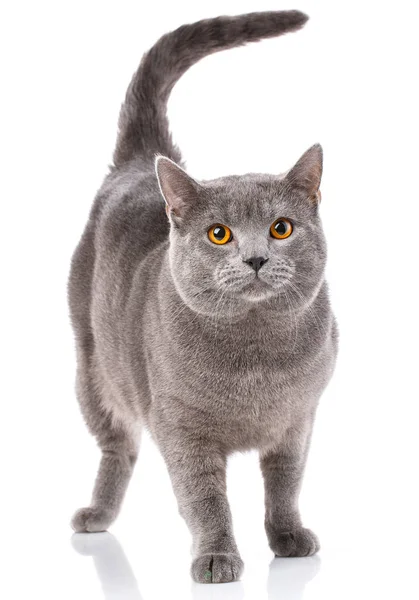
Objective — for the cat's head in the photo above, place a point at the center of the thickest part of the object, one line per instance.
(242, 240)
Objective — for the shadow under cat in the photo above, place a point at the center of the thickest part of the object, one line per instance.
(287, 577)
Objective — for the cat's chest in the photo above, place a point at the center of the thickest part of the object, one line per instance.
(256, 371)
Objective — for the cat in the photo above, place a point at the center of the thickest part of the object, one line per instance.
(201, 312)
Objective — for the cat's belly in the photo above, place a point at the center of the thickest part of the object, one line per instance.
(240, 409)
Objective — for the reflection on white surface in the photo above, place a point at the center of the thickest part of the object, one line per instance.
(287, 577)
(218, 591)
(112, 566)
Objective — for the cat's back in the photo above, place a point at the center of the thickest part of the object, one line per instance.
(126, 223)
(132, 219)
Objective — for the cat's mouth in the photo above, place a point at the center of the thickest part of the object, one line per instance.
(257, 289)
(256, 283)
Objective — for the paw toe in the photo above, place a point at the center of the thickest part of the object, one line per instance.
(91, 519)
(300, 542)
(217, 568)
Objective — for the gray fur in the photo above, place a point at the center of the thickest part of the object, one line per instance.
(179, 335)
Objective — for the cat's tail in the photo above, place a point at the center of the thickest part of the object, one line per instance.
(143, 126)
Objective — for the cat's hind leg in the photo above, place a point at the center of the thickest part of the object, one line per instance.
(115, 470)
(119, 445)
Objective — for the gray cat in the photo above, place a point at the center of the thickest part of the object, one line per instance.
(201, 312)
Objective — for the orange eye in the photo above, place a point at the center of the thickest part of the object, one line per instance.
(281, 229)
(219, 234)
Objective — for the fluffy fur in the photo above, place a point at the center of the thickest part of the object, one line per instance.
(184, 337)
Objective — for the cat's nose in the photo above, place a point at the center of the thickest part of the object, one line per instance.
(256, 262)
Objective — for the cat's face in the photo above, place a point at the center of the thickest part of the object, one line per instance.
(239, 241)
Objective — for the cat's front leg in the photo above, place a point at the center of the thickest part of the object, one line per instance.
(198, 472)
(282, 469)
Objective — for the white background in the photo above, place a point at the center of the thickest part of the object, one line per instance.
(349, 81)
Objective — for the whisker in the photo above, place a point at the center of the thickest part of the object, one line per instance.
(308, 307)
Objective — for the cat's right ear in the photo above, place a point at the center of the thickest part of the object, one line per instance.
(178, 189)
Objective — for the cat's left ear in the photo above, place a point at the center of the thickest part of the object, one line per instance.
(306, 174)
(178, 189)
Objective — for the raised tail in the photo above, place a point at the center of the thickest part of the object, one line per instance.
(143, 125)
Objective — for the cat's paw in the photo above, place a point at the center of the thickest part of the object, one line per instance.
(216, 568)
(298, 542)
(91, 519)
